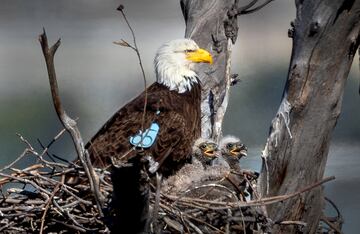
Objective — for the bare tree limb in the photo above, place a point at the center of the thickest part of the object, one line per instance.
(136, 49)
(248, 11)
(243, 10)
(56, 189)
(68, 123)
(238, 9)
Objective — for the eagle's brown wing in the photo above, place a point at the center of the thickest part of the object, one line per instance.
(112, 140)
(173, 145)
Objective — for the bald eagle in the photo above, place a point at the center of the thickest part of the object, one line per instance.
(172, 113)
(232, 150)
(199, 171)
(172, 123)
(205, 150)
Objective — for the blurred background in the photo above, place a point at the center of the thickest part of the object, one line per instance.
(97, 77)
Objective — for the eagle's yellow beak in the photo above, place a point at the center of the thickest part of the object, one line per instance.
(199, 56)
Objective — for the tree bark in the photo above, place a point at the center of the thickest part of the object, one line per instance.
(209, 24)
(325, 39)
(213, 25)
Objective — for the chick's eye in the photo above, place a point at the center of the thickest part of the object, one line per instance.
(202, 146)
(229, 145)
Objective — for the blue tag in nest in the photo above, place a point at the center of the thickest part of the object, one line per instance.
(147, 138)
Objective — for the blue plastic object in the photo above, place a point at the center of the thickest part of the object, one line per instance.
(148, 137)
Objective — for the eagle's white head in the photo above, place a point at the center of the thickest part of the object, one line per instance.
(174, 63)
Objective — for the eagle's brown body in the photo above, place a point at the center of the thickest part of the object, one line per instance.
(179, 121)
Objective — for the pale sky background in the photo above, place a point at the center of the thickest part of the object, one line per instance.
(97, 77)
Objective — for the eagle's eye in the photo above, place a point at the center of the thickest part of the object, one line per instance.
(189, 51)
(203, 146)
(229, 145)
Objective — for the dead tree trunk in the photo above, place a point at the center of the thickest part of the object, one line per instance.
(325, 39)
(205, 23)
(213, 25)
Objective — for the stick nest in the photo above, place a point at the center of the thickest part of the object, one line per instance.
(54, 196)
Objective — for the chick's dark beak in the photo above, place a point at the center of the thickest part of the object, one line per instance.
(239, 150)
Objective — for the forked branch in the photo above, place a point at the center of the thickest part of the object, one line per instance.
(69, 123)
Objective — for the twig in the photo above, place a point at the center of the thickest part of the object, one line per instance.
(196, 229)
(331, 225)
(44, 193)
(70, 226)
(56, 189)
(26, 151)
(339, 219)
(6, 226)
(292, 222)
(45, 149)
(68, 123)
(334, 206)
(136, 49)
(257, 196)
(205, 223)
(156, 205)
(40, 156)
(263, 201)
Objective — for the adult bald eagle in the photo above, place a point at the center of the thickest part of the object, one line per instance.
(171, 125)
(172, 119)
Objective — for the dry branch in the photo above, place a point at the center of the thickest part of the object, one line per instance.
(69, 123)
(137, 51)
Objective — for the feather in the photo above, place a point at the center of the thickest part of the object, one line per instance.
(179, 122)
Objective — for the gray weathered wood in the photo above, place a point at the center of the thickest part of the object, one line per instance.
(213, 25)
(325, 39)
(206, 21)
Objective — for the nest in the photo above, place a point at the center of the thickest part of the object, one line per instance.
(208, 208)
(55, 196)
(37, 199)
(210, 200)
